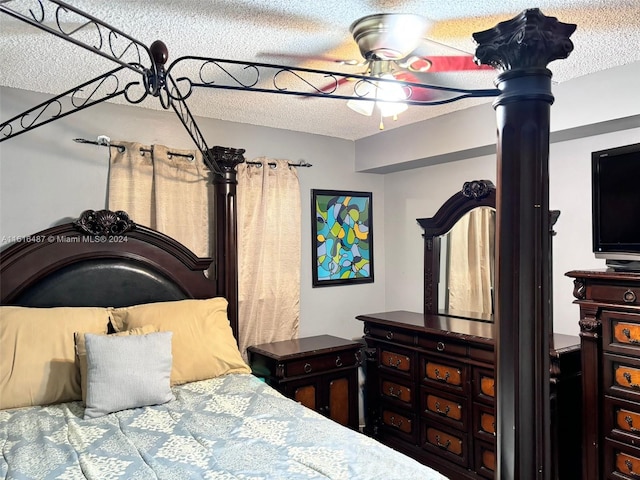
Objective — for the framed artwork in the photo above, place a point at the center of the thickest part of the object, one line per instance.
(342, 237)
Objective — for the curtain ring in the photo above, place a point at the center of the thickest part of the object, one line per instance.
(273, 165)
(121, 148)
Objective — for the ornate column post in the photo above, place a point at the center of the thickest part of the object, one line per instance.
(522, 48)
(225, 213)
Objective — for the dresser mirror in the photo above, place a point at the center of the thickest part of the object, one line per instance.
(459, 253)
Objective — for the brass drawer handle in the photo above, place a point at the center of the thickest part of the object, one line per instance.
(629, 296)
(629, 466)
(444, 446)
(392, 421)
(338, 361)
(629, 422)
(389, 336)
(440, 346)
(307, 368)
(627, 333)
(396, 364)
(444, 412)
(394, 393)
(442, 379)
(627, 377)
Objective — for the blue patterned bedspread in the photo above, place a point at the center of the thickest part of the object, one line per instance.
(232, 427)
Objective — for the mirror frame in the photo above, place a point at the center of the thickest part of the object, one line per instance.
(476, 193)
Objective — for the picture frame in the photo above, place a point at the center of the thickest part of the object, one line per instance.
(342, 237)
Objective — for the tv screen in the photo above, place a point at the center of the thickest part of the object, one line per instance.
(616, 202)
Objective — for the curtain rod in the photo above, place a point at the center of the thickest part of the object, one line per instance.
(103, 141)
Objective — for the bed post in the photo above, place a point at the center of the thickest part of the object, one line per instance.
(225, 210)
(522, 48)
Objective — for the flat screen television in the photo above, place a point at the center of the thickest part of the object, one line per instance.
(616, 206)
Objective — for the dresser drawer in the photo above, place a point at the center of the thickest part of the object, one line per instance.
(621, 376)
(397, 391)
(621, 461)
(399, 423)
(615, 294)
(621, 332)
(484, 422)
(446, 442)
(485, 459)
(443, 346)
(397, 360)
(444, 407)
(444, 373)
(622, 420)
(318, 364)
(390, 334)
(484, 386)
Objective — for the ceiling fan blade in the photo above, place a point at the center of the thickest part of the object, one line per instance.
(304, 58)
(417, 93)
(443, 63)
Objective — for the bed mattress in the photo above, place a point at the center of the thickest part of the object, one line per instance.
(231, 427)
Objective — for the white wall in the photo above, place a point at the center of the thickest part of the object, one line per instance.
(418, 193)
(46, 179)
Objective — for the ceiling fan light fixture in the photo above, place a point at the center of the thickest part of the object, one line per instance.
(363, 107)
(390, 97)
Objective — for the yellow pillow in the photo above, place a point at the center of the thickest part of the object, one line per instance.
(81, 352)
(203, 345)
(37, 356)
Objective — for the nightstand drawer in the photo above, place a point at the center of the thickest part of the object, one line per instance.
(622, 376)
(621, 461)
(615, 294)
(319, 364)
(622, 420)
(621, 332)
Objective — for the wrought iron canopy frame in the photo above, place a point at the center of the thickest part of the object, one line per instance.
(142, 73)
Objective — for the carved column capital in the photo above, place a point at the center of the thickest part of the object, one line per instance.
(226, 158)
(590, 326)
(530, 40)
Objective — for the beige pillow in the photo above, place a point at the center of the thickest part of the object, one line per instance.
(37, 356)
(81, 352)
(203, 345)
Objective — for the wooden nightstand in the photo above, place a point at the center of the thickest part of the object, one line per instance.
(319, 372)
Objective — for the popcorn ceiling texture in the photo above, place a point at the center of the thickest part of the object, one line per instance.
(608, 35)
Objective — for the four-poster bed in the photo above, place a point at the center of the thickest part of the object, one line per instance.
(521, 48)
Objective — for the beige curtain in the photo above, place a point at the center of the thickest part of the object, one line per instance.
(167, 192)
(269, 252)
(471, 264)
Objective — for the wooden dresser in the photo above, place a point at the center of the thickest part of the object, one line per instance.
(610, 335)
(320, 372)
(430, 393)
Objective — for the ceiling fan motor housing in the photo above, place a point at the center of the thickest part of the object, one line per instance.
(388, 36)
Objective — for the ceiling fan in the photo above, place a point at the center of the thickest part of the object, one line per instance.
(391, 45)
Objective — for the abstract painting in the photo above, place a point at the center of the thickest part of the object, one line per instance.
(342, 237)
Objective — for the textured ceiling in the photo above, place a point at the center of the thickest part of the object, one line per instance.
(608, 35)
